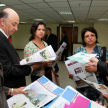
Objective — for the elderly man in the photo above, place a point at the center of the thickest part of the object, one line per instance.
(14, 76)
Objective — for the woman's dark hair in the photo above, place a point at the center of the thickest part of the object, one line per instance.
(91, 29)
(34, 28)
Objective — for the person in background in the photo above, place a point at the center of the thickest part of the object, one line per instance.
(65, 52)
(89, 40)
(36, 44)
(51, 39)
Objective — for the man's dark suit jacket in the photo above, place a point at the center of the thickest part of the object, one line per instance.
(14, 76)
(102, 67)
(3, 91)
(65, 39)
(52, 40)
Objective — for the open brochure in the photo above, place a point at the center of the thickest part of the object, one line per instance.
(82, 57)
(71, 95)
(58, 53)
(78, 69)
(45, 54)
(99, 87)
(40, 93)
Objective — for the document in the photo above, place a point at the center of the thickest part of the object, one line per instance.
(78, 69)
(58, 53)
(69, 95)
(40, 93)
(99, 87)
(70, 98)
(45, 54)
(95, 105)
(82, 57)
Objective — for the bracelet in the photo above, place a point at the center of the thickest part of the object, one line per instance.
(11, 92)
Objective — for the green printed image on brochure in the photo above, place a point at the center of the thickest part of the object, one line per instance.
(81, 57)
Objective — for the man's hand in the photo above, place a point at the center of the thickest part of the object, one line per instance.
(16, 91)
(94, 61)
(90, 68)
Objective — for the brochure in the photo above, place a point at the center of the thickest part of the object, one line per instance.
(69, 95)
(78, 69)
(45, 54)
(70, 98)
(58, 53)
(40, 93)
(99, 87)
(81, 57)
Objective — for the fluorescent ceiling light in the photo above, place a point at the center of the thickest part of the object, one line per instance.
(103, 20)
(38, 19)
(71, 21)
(65, 12)
(1, 4)
(23, 22)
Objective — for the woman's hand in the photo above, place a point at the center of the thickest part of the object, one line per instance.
(46, 63)
(59, 58)
(70, 75)
(42, 64)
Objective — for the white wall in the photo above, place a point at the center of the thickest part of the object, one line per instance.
(102, 30)
(53, 28)
(21, 37)
(80, 27)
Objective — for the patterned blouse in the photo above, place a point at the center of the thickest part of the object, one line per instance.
(96, 50)
(29, 50)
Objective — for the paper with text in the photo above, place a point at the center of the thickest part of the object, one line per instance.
(40, 93)
(78, 69)
(45, 54)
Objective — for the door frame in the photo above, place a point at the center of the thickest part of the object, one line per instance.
(59, 32)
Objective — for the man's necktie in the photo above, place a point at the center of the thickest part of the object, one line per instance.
(9, 40)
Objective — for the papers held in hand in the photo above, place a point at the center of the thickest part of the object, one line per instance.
(59, 53)
(78, 69)
(99, 87)
(81, 57)
(45, 54)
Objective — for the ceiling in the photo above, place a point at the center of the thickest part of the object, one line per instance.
(83, 11)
